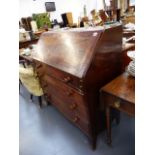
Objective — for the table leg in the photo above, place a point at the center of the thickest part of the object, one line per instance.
(108, 125)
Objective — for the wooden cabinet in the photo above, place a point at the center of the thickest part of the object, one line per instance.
(73, 65)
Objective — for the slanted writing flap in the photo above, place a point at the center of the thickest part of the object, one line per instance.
(69, 51)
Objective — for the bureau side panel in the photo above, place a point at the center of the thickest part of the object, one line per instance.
(106, 65)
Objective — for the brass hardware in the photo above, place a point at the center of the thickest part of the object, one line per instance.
(117, 104)
(67, 79)
(81, 86)
(73, 106)
(75, 119)
(46, 95)
(69, 93)
(81, 80)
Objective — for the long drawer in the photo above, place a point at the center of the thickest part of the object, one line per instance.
(63, 96)
(65, 78)
(76, 112)
(77, 119)
(71, 98)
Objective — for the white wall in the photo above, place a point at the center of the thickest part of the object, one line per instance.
(27, 7)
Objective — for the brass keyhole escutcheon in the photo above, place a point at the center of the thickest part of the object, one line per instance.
(73, 106)
(117, 104)
(75, 119)
(69, 93)
(67, 79)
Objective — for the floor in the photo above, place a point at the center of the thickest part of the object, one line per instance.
(46, 132)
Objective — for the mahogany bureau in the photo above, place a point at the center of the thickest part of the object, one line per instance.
(72, 65)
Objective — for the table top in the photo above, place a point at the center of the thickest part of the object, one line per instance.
(123, 87)
(26, 57)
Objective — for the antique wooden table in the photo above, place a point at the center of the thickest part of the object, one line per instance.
(118, 94)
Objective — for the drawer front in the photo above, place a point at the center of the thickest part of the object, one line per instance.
(44, 86)
(73, 117)
(65, 78)
(39, 68)
(120, 104)
(72, 113)
(71, 99)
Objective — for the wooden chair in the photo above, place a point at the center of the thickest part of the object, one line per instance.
(28, 78)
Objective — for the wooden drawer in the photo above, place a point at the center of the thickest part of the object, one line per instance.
(71, 99)
(119, 104)
(74, 114)
(65, 77)
(39, 68)
(77, 119)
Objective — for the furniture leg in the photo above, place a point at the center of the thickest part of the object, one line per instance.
(108, 125)
(40, 101)
(20, 83)
(31, 97)
(93, 142)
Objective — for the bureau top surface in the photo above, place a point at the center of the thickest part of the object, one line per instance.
(123, 87)
(69, 51)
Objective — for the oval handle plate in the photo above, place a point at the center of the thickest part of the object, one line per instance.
(73, 106)
(117, 104)
(69, 93)
(67, 79)
(75, 119)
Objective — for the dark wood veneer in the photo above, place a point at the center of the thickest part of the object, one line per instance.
(74, 66)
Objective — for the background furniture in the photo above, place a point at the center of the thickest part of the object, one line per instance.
(130, 18)
(34, 39)
(72, 67)
(25, 44)
(118, 94)
(26, 23)
(68, 19)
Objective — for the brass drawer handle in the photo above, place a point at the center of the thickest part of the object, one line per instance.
(81, 86)
(75, 119)
(46, 95)
(117, 104)
(73, 106)
(69, 93)
(67, 79)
